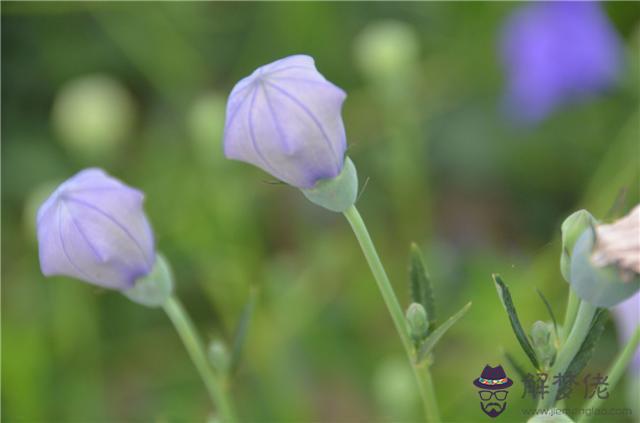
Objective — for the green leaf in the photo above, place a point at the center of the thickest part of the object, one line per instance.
(588, 345)
(507, 302)
(522, 373)
(550, 310)
(432, 340)
(420, 284)
(242, 329)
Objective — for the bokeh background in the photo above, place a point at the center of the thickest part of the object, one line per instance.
(139, 89)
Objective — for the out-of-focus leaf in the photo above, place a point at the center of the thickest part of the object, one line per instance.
(507, 302)
(420, 284)
(429, 343)
(522, 373)
(242, 329)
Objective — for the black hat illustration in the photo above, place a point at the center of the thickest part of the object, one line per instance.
(493, 378)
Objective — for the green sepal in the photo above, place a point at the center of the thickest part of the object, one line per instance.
(431, 341)
(155, 288)
(420, 284)
(336, 194)
(507, 302)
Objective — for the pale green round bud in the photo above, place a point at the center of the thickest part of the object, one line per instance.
(219, 356)
(93, 115)
(417, 321)
(572, 227)
(543, 342)
(337, 194)
(384, 49)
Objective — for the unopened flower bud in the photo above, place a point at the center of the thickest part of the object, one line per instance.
(543, 342)
(93, 228)
(219, 356)
(285, 118)
(417, 321)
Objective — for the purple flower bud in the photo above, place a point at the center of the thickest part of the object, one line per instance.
(555, 52)
(93, 228)
(285, 118)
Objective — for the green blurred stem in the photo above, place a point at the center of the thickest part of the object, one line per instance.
(615, 372)
(195, 348)
(569, 350)
(422, 372)
(570, 315)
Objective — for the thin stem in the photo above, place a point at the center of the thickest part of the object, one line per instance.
(570, 315)
(422, 373)
(615, 372)
(569, 350)
(194, 347)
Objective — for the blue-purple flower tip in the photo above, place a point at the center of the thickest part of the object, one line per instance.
(93, 228)
(557, 52)
(285, 118)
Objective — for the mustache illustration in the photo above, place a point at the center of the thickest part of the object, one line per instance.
(493, 409)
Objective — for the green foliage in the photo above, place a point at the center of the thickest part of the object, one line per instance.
(427, 346)
(420, 284)
(507, 302)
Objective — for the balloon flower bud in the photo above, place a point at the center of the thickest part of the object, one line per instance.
(543, 342)
(285, 118)
(418, 322)
(93, 228)
(572, 227)
(605, 265)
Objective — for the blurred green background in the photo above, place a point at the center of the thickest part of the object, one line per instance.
(139, 89)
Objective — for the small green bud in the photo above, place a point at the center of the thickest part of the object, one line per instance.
(543, 342)
(154, 289)
(337, 194)
(418, 322)
(572, 227)
(219, 356)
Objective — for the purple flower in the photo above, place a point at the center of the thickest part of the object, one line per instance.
(93, 228)
(556, 52)
(285, 118)
(627, 318)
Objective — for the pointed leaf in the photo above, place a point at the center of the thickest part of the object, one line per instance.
(550, 310)
(420, 284)
(242, 329)
(522, 373)
(507, 302)
(429, 343)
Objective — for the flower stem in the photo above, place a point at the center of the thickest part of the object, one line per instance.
(570, 315)
(579, 331)
(615, 372)
(194, 347)
(423, 376)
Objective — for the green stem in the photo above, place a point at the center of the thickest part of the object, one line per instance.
(423, 376)
(615, 372)
(194, 347)
(569, 350)
(570, 315)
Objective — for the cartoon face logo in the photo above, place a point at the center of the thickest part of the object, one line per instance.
(493, 384)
